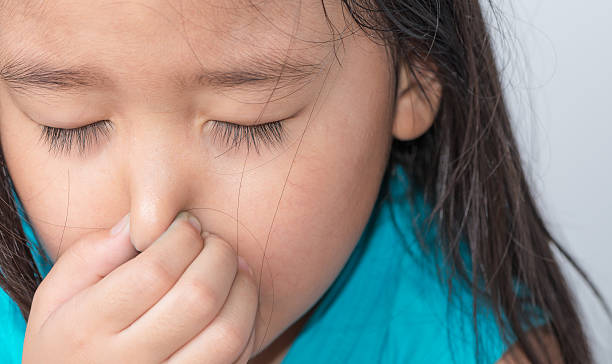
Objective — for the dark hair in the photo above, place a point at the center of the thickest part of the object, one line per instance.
(467, 166)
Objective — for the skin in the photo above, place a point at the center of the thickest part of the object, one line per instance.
(289, 211)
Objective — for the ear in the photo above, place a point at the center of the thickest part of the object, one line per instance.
(414, 114)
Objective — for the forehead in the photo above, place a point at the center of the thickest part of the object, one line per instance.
(160, 35)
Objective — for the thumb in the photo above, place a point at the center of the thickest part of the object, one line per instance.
(83, 264)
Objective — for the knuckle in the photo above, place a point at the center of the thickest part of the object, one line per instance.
(121, 295)
(225, 250)
(201, 296)
(78, 253)
(154, 274)
(78, 340)
(188, 234)
(250, 287)
(232, 339)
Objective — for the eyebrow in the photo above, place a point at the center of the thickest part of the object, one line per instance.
(255, 73)
(262, 71)
(24, 76)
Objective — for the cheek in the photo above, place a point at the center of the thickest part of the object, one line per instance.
(63, 200)
(327, 200)
(37, 180)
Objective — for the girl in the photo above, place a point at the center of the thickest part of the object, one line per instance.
(357, 155)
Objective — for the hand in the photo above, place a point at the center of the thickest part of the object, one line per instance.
(182, 300)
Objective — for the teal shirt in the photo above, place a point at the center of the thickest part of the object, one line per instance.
(387, 305)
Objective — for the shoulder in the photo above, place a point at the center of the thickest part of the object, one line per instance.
(549, 347)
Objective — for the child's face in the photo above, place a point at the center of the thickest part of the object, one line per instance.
(303, 202)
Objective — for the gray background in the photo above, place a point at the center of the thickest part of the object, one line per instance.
(556, 59)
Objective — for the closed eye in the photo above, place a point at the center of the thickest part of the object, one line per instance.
(271, 134)
(61, 142)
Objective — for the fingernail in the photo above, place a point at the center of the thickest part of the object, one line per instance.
(120, 226)
(192, 220)
(244, 265)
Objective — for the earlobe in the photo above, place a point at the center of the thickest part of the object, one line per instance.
(414, 114)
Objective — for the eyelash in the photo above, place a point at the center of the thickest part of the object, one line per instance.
(61, 141)
(272, 134)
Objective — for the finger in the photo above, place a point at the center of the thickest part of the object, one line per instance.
(134, 287)
(226, 338)
(189, 306)
(248, 352)
(83, 264)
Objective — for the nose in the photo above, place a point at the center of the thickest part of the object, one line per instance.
(161, 171)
